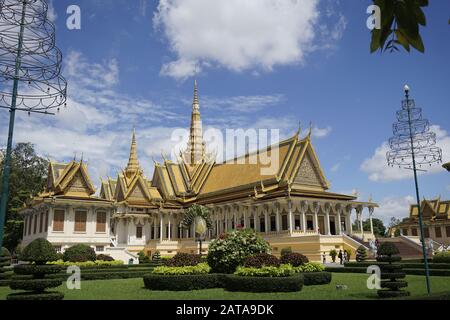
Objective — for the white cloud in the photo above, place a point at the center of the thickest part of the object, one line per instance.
(335, 167)
(51, 13)
(397, 207)
(321, 132)
(241, 34)
(378, 170)
(242, 103)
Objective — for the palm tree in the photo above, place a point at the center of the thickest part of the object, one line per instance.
(198, 216)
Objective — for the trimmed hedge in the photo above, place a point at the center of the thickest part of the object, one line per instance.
(35, 285)
(35, 296)
(5, 270)
(419, 272)
(316, 278)
(263, 284)
(406, 265)
(79, 253)
(32, 277)
(182, 282)
(442, 257)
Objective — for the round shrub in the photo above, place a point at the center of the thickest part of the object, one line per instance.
(230, 250)
(183, 259)
(261, 259)
(361, 254)
(38, 271)
(263, 284)
(79, 253)
(387, 249)
(39, 251)
(285, 250)
(294, 258)
(316, 278)
(104, 257)
(35, 285)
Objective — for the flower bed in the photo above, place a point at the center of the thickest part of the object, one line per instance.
(201, 268)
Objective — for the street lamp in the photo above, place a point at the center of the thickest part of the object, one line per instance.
(412, 146)
(30, 66)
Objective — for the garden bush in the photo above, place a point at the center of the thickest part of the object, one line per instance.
(38, 253)
(79, 253)
(294, 258)
(390, 272)
(182, 282)
(316, 278)
(263, 284)
(361, 254)
(261, 259)
(143, 258)
(156, 256)
(310, 267)
(5, 262)
(230, 250)
(442, 257)
(285, 250)
(183, 259)
(104, 257)
(201, 268)
(285, 270)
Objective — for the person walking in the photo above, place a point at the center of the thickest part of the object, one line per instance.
(340, 256)
(324, 258)
(345, 256)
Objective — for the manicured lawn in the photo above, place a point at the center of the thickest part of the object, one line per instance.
(133, 289)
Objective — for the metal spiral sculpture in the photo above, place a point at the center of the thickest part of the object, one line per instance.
(30, 67)
(29, 58)
(413, 145)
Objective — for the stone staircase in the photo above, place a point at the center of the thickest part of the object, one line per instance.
(408, 249)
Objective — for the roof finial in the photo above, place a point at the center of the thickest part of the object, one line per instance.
(299, 130)
(195, 103)
(133, 163)
(310, 129)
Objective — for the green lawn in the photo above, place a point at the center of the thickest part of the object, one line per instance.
(133, 289)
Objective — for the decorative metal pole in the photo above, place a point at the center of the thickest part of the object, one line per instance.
(27, 55)
(413, 144)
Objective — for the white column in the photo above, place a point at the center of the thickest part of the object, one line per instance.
(266, 221)
(361, 224)
(338, 222)
(327, 221)
(277, 220)
(349, 218)
(316, 219)
(245, 218)
(169, 236)
(370, 218)
(303, 216)
(160, 227)
(291, 229)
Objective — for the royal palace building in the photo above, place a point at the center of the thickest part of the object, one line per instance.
(290, 205)
(436, 222)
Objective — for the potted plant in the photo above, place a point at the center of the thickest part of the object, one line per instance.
(333, 254)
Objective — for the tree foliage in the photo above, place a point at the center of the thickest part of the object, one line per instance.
(378, 227)
(27, 178)
(400, 24)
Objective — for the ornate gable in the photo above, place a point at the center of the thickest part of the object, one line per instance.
(78, 186)
(307, 173)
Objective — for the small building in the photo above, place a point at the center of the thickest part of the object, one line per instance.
(436, 221)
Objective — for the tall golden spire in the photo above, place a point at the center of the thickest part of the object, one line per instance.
(133, 162)
(195, 151)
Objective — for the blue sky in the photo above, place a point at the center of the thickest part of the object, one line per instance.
(268, 65)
